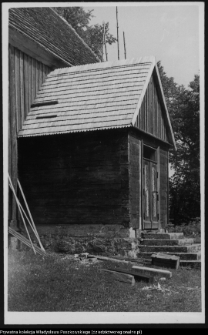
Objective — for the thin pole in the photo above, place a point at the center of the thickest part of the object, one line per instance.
(30, 215)
(103, 41)
(124, 45)
(12, 188)
(106, 54)
(117, 31)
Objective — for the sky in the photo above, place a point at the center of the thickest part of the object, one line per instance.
(168, 32)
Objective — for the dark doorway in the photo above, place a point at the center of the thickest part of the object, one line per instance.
(150, 188)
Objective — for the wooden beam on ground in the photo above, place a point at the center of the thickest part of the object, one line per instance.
(148, 270)
(166, 260)
(119, 276)
(147, 278)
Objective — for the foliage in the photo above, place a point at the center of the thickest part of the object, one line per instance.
(183, 106)
(79, 19)
(192, 229)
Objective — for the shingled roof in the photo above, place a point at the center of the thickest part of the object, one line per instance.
(91, 97)
(48, 29)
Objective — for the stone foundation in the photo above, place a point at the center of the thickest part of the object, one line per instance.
(94, 239)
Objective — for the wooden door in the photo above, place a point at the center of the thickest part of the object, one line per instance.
(150, 195)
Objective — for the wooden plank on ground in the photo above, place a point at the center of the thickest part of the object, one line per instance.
(147, 278)
(144, 269)
(122, 277)
(165, 260)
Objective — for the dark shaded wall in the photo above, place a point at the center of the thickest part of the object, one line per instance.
(77, 178)
(164, 181)
(135, 162)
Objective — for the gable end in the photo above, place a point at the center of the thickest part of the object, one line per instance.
(153, 117)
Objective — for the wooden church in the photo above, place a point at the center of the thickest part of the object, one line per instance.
(93, 149)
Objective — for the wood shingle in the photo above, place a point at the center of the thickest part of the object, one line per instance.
(50, 31)
(91, 97)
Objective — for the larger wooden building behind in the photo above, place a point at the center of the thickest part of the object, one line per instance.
(39, 42)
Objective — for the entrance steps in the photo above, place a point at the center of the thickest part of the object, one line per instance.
(173, 244)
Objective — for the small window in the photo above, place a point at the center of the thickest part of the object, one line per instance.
(149, 153)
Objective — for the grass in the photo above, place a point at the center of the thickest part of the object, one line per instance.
(65, 283)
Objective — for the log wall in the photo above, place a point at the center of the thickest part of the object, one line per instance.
(76, 178)
(135, 181)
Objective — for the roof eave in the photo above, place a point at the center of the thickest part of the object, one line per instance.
(72, 131)
(20, 39)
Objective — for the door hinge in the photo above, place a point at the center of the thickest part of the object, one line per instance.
(157, 197)
(157, 174)
(158, 217)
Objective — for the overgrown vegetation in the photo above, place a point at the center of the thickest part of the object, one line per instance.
(191, 229)
(64, 283)
(183, 107)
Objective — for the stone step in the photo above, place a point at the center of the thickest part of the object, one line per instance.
(191, 263)
(162, 236)
(169, 248)
(162, 242)
(182, 255)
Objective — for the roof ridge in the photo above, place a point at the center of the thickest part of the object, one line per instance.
(51, 74)
(104, 65)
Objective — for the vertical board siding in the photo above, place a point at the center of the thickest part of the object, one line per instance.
(13, 131)
(23, 86)
(151, 117)
(17, 88)
(163, 187)
(28, 78)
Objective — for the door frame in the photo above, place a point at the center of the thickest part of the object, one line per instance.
(157, 162)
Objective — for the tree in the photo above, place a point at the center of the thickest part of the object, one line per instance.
(79, 19)
(183, 106)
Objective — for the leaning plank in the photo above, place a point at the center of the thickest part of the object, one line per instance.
(119, 276)
(166, 260)
(144, 269)
(26, 241)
